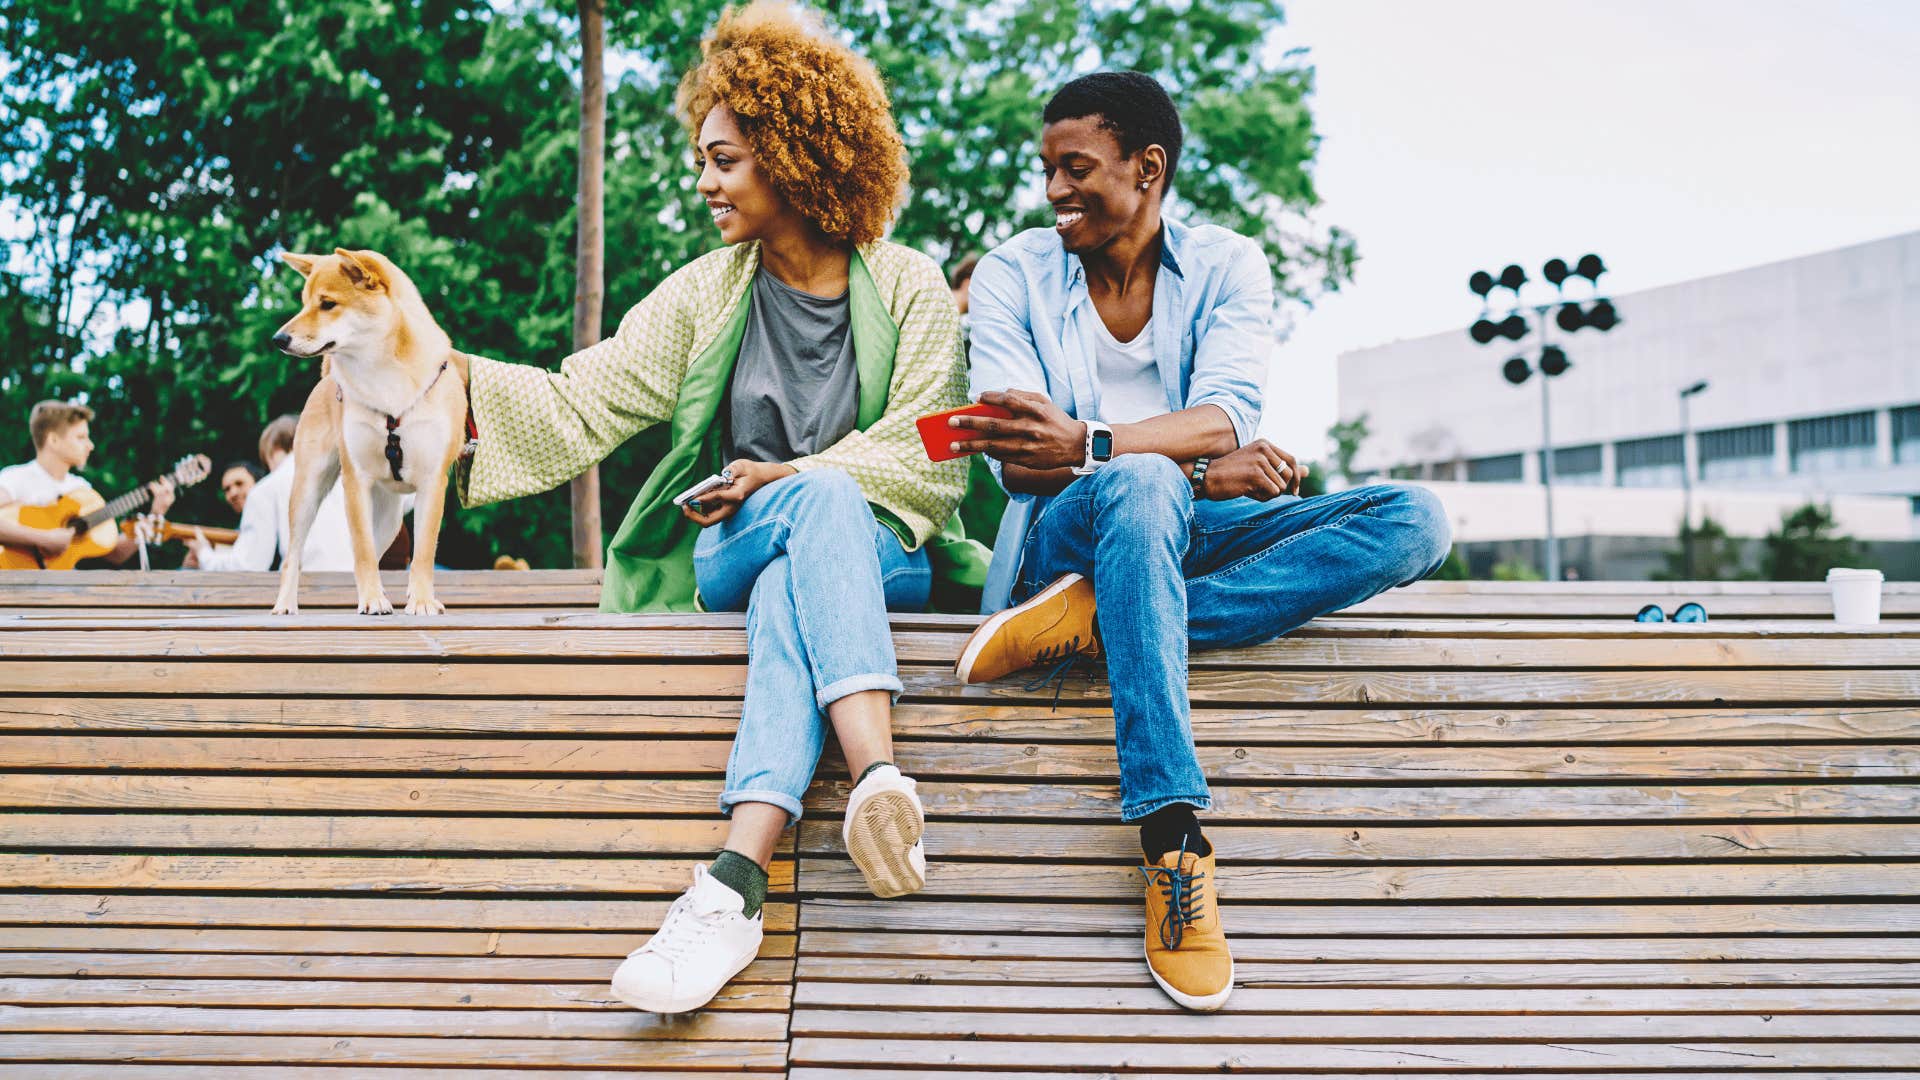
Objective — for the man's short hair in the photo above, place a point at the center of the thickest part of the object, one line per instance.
(252, 470)
(53, 416)
(1130, 104)
(278, 436)
(963, 271)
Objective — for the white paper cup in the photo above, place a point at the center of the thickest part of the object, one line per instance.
(1856, 595)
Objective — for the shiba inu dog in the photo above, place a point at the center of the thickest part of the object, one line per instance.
(387, 418)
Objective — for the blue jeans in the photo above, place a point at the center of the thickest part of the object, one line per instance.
(816, 574)
(1168, 572)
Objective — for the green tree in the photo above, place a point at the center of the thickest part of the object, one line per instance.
(1716, 556)
(1805, 547)
(1346, 437)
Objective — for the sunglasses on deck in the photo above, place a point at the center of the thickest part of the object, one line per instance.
(1687, 612)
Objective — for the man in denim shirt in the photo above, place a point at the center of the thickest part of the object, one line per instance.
(1131, 351)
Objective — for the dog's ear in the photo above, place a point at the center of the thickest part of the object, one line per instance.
(302, 263)
(362, 269)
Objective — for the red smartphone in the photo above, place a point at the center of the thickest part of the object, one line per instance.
(939, 437)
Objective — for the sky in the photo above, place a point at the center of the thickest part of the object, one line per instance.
(1676, 139)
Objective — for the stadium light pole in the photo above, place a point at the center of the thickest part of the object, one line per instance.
(1553, 361)
(1686, 482)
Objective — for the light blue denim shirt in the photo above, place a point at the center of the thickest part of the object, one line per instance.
(1031, 326)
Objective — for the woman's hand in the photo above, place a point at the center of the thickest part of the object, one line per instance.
(720, 504)
(1258, 470)
(1039, 436)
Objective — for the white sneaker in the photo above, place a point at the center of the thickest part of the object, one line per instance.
(702, 944)
(884, 823)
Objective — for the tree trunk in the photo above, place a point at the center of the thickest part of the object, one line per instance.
(589, 277)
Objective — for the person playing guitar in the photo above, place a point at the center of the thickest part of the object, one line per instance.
(61, 444)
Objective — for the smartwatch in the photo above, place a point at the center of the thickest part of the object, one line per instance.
(1099, 448)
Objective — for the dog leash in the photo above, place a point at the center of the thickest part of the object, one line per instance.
(393, 421)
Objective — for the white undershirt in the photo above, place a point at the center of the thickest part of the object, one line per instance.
(31, 484)
(1130, 387)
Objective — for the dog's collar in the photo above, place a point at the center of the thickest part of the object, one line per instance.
(393, 419)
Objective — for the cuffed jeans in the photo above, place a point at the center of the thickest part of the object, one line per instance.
(816, 574)
(1169, 572)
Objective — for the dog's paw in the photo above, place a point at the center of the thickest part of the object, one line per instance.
(286, 607)
(377, 604)
(430, 606)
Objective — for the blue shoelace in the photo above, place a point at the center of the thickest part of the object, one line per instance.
(1064, 657)
(1186, 894)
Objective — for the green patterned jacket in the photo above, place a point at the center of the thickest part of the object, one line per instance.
(671, 361)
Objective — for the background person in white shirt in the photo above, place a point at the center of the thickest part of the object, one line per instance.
(263, 524)
(62, 442)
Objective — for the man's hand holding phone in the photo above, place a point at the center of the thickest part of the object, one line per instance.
(719, 497)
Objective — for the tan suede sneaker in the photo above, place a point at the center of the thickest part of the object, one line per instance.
(1055, 624)
(1186, 949)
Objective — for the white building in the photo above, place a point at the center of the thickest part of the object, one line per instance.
(1813, 367)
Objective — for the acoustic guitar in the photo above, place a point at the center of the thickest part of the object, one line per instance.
(162, 531)
(90, 517)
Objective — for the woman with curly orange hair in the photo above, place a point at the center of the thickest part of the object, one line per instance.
(798, 357)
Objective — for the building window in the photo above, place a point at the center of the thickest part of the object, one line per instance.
(1906, 435)
(1655, 462)
(1578, 465)
(1404, 472)
(1504, 469)
(1742, 453)
(1831, 443)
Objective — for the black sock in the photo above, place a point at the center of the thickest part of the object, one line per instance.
(868, 769)
(1164, 829)
(744, 876)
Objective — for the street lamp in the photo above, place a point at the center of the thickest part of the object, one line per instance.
(1553, 360)
(1686, 482)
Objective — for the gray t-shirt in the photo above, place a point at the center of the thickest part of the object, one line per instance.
(795, 386)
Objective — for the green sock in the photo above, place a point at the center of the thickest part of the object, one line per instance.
(744, 876)
(868, 769)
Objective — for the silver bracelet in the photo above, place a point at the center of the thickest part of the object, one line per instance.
(1200, 477)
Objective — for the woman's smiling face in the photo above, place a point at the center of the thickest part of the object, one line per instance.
(742, 198)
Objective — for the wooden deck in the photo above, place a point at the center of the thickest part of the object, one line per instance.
(1465, 830)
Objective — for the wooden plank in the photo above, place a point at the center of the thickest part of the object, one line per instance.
(1602, 881)
(483, 678)
(458, 969)
(882, 1072)
(238, 754)
(546, 836)
(1271, 974)
(116, 1071)
(1250, 1027)
(765, 996)
(346, 715)
(358, 874)
(1053, 915)
(392, 794)
(431, 1023)
(1575, 803)
(1239, 1056)
(1262, 843)
(1074, 841)
(410, 641)
(1372, 1001)
(1487, 950)
(369, 1050)
(348, 912)
(827, 799)
(44, 938)
(697, 757)
(940, 720)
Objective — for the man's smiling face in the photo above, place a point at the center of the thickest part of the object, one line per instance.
(1093, 187)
